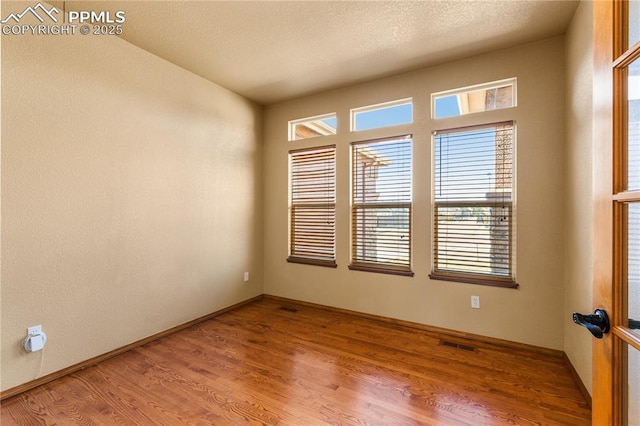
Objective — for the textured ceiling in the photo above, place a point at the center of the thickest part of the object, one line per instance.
(270, 51)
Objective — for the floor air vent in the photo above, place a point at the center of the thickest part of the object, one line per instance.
(288, 309)
(457, 345)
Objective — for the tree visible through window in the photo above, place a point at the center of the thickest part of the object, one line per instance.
(473, 205)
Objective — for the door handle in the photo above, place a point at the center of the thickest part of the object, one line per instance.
(597, 323)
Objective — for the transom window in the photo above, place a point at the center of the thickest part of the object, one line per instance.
(467, 100)
(382, 115)
(311, 127)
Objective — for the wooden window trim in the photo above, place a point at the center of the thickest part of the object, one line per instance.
(474, 279)
(312, 261)
(376, 268)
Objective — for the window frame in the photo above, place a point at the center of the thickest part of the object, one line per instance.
(513, 82)
(294, 256)
(489, 279)
(356, 207)
(378, 107)
(293, 123)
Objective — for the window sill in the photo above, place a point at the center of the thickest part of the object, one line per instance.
(381, 269)
(313, 262)
(475, 279)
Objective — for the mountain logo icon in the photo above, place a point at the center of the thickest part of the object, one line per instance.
(34, 11)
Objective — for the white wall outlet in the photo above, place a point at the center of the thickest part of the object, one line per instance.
(475, 302)
(34, 331)
(246, 277)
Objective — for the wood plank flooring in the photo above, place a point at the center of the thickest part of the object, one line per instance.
(279, 362)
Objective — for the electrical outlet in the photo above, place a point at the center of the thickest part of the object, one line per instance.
(246, 277)
(35, 339)
(475, 302)
(35, 330)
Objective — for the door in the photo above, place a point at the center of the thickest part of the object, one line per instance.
(616, 96)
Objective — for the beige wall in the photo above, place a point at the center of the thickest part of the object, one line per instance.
(578, 203)
(131, 198)
(534, 314)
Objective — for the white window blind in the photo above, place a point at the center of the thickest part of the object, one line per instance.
(381, 205)
(473, 205)
(313, 206)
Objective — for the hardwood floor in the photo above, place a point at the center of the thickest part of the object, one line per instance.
(276, 362)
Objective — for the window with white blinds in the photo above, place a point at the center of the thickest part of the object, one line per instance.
(381, 186)
(313, 206)
(473, 205)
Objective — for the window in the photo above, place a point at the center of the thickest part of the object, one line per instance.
(321, 125)
(381, 205)
(382, 115)
(473, 205)
(483, 97)
(313, 206)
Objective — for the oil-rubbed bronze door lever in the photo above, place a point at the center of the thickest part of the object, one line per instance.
(597, 323)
